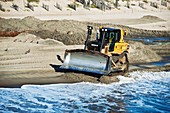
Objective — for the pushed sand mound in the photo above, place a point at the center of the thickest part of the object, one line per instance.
(70, 31)
(30, 38)
(140, 53)
(50, 42)
(150, 17)
(26, 37)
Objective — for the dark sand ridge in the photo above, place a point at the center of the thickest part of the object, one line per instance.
(59, 29)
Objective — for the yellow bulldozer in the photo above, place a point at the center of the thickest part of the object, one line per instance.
(104, 55)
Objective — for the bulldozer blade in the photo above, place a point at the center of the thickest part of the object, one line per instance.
(87, 61)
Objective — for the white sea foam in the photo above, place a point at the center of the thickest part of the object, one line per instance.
(140, 90)
(137, 75)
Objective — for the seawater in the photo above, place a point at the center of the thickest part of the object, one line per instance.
(140, 92)
(151, 40)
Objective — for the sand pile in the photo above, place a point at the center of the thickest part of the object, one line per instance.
(151, 18)
(26, 38)
(27, 23)
(69, 31)
(63, 30)
(30, 38)
(162, 50)
(140, 53)
(50, 42)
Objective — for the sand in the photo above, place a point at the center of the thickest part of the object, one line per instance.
(74, 32)
(24, 61)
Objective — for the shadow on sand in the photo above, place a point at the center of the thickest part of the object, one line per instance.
(58, 69)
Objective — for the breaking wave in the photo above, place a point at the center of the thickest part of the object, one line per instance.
(140, 92)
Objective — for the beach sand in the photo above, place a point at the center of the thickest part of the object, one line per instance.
(24, 61)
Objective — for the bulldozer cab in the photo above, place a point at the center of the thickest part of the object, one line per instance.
(108, 41)
(109, 36)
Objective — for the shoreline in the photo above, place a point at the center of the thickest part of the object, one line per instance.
(67, 77)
